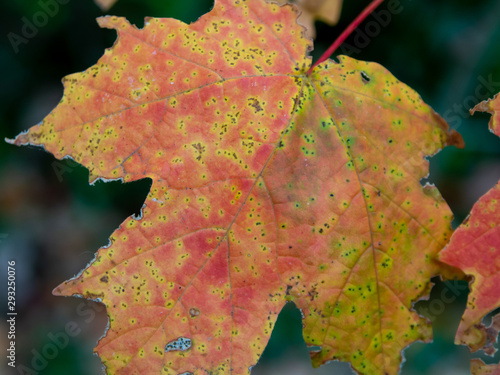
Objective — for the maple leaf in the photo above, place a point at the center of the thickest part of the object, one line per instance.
(475, 249)
(269, 184)
(327, 11)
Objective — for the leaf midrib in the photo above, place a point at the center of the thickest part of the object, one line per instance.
(358, 179)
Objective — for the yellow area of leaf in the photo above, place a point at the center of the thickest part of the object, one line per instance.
(105, 4)
(327, 11)
(478, 367)
(268, 185)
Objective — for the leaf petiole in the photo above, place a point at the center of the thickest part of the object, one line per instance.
(348, 31)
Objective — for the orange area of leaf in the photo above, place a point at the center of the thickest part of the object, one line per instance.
(475, 249)
(268, 185)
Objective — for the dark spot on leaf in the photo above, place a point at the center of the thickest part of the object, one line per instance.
(365, 77)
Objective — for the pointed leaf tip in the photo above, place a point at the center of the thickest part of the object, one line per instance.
(105, 5)
(491, 106)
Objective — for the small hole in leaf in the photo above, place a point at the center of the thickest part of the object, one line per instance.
(365, 77)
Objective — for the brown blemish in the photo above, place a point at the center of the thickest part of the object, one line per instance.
(194, 312)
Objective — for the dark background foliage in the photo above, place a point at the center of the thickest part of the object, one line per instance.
(52, 221)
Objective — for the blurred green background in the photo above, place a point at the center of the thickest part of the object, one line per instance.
(51, 220)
